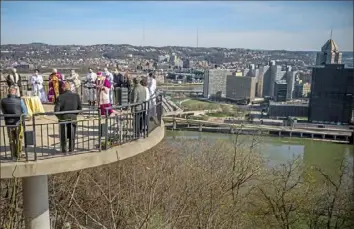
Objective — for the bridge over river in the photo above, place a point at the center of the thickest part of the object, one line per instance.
(209, 126)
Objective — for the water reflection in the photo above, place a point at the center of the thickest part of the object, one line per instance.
(324, 155)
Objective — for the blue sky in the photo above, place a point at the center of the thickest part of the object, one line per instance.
(297, 25)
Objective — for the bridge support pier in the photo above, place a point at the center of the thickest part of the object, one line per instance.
(200, 128)
(323, 136)
(301, 135)
(312, 135)
(174, 126)
(279, 133)
(290, 134)
(334, 137)
(36, 202)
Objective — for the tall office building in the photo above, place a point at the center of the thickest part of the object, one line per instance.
(269, 75)
(215, 83)
(240, 87)
(329, 54)
(331, 97)
(263, 75)
(280, 91)
(332, 88)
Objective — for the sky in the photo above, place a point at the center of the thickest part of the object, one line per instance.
(289, 25)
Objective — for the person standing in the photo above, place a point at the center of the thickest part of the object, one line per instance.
(152, 90)
(74, 81)
(103, 87)
(90, 84)
(55, 85)
(138, 98)
(109, 77)
(37, 86)
(67, 101)
(14, 80)
(117, 84)
(14, 106)
(127, 83)
(152, 84)
(144, 83)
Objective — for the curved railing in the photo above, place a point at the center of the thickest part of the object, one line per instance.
(43, 133)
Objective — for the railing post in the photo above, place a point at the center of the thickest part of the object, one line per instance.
(147, 117)
(24, 136)
(106, 134)
(34, 140)
(99, 131)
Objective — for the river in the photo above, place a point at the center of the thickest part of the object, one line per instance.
(275, 150)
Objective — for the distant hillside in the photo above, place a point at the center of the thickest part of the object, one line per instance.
(109, 51)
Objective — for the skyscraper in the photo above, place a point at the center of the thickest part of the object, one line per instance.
(332, 88)
(329, 54)
(269, 75)
(215, 83)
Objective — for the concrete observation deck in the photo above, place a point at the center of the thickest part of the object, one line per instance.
(46, 157)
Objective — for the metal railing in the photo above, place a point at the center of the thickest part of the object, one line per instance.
(45, 136)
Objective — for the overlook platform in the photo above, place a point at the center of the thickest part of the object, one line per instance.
(59, 163)
(99, 140)
(44, 155)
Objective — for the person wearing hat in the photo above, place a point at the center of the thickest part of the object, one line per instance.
(103, 87)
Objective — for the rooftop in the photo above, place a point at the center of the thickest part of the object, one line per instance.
(330, 46)
(271, 103)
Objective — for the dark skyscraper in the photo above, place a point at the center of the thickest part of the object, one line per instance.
(331, 98)
(332, 88)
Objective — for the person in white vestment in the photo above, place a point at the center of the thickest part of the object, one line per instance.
(144, 83)
(37, 86)
(152, 90)
(110, 78)
(90, 87)
(74, 81)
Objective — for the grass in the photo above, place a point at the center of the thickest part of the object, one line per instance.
(217, 114)
(199, 117)
(192, 105)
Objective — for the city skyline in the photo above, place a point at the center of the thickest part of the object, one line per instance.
(302, 26)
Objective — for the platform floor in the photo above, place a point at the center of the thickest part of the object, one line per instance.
(47, 135)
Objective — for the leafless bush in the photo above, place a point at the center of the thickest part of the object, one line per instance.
(200, 184)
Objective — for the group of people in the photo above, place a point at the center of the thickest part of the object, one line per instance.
(105, 89)
(56, 84)
(100, 90)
